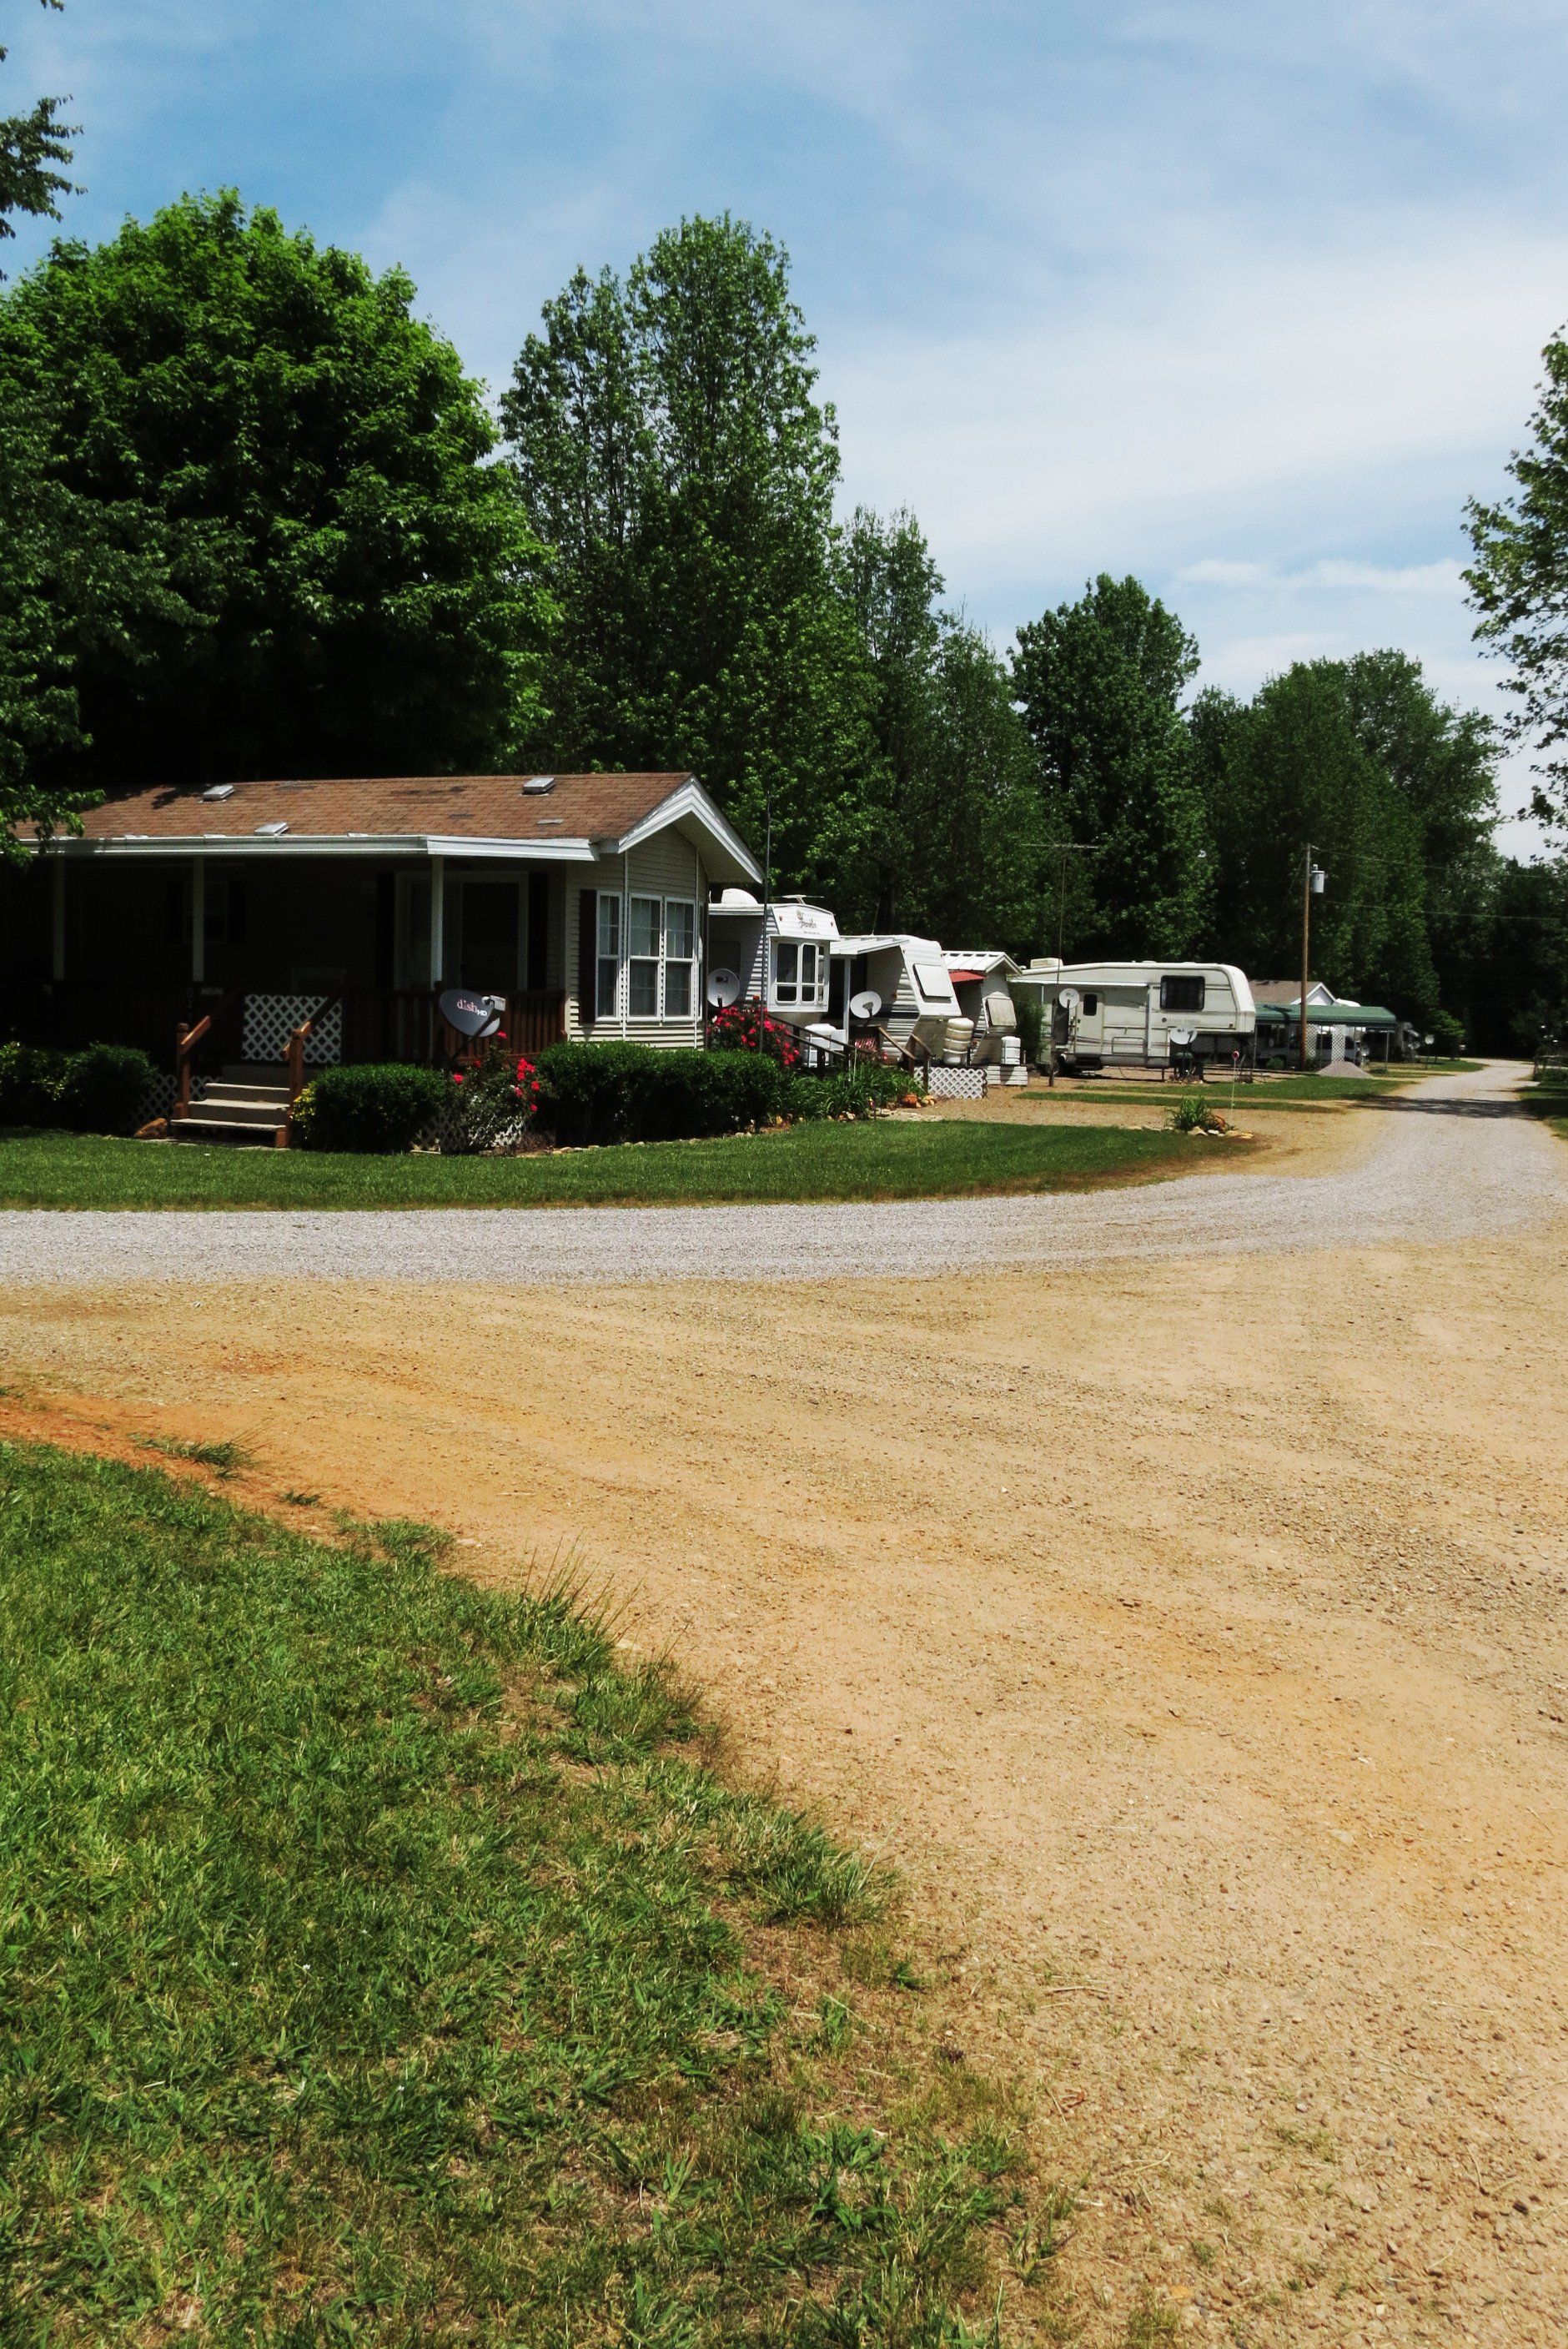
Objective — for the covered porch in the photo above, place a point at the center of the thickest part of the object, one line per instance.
(133, 946)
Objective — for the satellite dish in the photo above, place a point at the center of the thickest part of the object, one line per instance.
(866, 1005)
(470, 1014)
(1182, 1037)
(723, 988)
(1070, 1000)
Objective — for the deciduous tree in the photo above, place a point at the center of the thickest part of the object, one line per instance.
(1099, 683)
(675, 455)
(328, 573)
(1519, 584)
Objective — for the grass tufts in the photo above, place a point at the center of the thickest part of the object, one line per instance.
(226, 1457)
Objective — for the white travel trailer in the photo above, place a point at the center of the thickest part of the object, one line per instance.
(908, 979)
(1101, 1015)
(779, 957)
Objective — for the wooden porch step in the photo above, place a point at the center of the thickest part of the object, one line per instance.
(223, 1105)
(231, 1089)
(237, 1134)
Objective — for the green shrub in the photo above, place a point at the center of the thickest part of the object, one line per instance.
(382, 1106)
(103, 1088)
(1193, 1114)
(1031, 1014)
(592, 1094)
(863, 1089)
(1447, 1035)
(31, 1076)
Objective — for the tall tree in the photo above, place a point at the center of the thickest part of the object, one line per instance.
(328, 573)
(33, 146)
(894, 588)
(943, 829)
(1519, 584)
(1518, 984)
(1314, 778)
(979, 846)
(39, 713)
(1395, 790)
(1099, 683)
(674, 456)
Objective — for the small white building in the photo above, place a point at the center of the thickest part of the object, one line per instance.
(1102, 1015)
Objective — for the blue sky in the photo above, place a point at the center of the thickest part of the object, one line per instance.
(1245, 298)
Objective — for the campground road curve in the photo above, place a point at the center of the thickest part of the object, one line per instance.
(1460, 1160)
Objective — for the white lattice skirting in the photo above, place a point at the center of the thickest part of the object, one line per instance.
(271, 1020)
(944, 1083)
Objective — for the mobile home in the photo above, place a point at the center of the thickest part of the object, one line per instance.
(1101, 1015)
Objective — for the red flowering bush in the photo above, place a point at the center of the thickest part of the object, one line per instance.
(492, 1100)
(747, 1028)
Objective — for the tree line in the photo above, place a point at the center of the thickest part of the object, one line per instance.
(254, 518)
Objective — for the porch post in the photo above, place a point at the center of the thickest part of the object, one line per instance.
(58, 926)
(438, 920)
(198, 920)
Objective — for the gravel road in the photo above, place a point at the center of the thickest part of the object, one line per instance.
(1459, 1161)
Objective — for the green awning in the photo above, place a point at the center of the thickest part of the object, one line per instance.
(1328, 1015)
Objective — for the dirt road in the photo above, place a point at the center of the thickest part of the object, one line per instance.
(1193, 1636)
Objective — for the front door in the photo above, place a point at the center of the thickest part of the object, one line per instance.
(487, 956)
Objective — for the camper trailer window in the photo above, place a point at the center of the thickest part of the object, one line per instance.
(642, 977)
(1180, 991)
(934, 983)
(797, 967)
(680, 956)
(1090, 1005)
(607, 967)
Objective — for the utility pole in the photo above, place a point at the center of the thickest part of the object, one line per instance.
(1311, 887)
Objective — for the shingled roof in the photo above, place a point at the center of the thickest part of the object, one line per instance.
(561, 815)
(478, 807)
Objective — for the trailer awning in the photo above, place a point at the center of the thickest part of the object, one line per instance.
(1328, 1015)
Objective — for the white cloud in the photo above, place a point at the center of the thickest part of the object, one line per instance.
(1442, 578)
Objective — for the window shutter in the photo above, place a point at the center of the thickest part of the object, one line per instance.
(538, 930)
(587, 952)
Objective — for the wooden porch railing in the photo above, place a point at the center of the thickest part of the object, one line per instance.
(186, 1039)
(294, 1062)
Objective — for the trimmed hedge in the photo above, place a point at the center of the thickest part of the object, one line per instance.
(639, 1092)
(380, 1106)
(97, 1090)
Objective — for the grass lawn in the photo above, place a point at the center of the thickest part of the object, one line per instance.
(885, 1159)
(383, 1965)
(1547, 1097)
